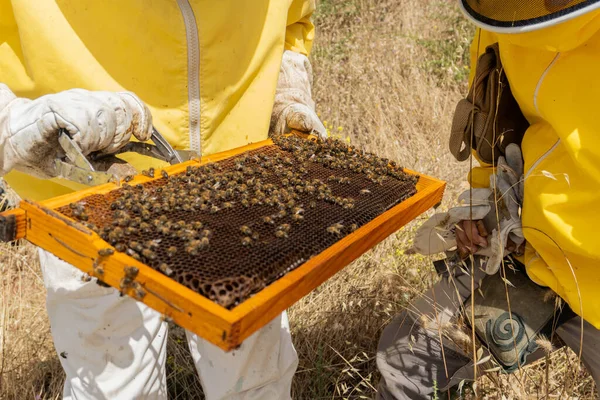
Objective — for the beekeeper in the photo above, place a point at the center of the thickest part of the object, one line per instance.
(537, 209)
(210, 77)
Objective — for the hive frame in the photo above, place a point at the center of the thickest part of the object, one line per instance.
(76, 244)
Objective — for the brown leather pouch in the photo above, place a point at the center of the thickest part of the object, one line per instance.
(489, 119)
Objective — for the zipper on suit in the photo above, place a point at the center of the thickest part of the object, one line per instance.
(193, 67)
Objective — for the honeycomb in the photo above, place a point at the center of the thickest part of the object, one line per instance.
(228, 229)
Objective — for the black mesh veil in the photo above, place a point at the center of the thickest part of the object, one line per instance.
(523, 15)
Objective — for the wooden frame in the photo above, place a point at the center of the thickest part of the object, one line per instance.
(77, 245)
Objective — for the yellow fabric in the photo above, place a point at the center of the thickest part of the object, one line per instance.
(47, 46)
(553, 74)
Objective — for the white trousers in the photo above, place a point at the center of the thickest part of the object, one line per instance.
(114, 347)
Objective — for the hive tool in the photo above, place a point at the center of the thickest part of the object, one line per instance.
(98, 168)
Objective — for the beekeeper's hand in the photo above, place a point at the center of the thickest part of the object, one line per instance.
(294, 107)
(96, 121)
(488, 220)
(470, 237)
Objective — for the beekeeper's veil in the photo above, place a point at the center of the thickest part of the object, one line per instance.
(513, 16)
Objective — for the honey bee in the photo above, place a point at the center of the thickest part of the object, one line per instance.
(164, 268)
(120, 214)
(228, 205)
(164, 174)
(98, 270)
(353, 227)
(268, 220)
(255, 236)
(152, 244)
(246, 230)
(145, 227)
(335, 229)
(197, 225)
(206, 233)
(120, 247)
(312, 204)
(131, 272)
(128, 178)
(136, 246)
(149, 254)
(281, 213)
(80, 214)
(146, 215)
(245, 203)
(106, 252)
(280, 234)
(246, 241)
(180, 224)
(194, 247)
(285, 227)
(172, 251)
(149, 173)
(138, 291)
(365, 191)
(125, 283)
(112, 238)
(297, 217)
(204, 242)
(214, 209)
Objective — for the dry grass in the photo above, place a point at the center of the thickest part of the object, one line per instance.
(389, 73)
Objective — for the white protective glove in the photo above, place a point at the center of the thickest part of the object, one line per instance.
(96, 121)
(294, 107)
(499, 208)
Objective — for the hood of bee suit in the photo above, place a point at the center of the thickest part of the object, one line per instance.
(561, 37)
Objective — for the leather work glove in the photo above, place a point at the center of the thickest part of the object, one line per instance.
(294, 107)
(495, 212)
(96, 121)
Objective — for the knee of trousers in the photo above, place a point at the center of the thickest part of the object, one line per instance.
(104, 340)
(261, 368)
(410, 360)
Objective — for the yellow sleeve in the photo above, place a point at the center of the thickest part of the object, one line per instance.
(9, 35)
(300, 31)
(13, 70)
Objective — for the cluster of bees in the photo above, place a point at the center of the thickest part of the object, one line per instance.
(174, 213)
(337, 155)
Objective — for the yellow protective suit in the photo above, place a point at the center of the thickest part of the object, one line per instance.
(553, 74)
(164, 51)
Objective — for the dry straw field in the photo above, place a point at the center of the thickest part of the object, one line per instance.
(387, 76)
